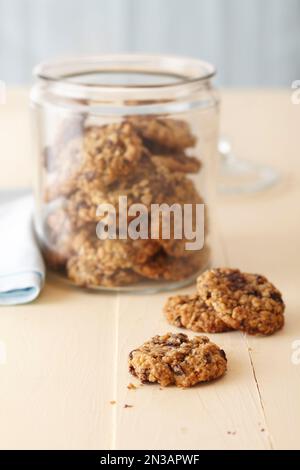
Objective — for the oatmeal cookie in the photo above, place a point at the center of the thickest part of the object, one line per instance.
(179, 188)
(94, 161)
(86, 269)
(82, 207)
(148, 185)
(185, 193)
(246, 302)
(116, 149)
(156, 184)
(97, 262)
(177, 248)
(145, 186)
(166, 132)
(86, 272)
(164, 267)
(178, 162)
(191, 312)
(176, 359)
(125, 253)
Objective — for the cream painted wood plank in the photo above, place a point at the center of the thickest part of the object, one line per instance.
(225, 414)
(276, 254)
(56, 382)
(262, 235)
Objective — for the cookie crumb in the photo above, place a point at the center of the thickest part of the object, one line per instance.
(128, 406)
(112, 402)
(131, 386)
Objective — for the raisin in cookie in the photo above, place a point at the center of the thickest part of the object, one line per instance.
(191, 312)
(247, 302)
(176, 359)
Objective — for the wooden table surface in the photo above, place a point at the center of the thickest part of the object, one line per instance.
(63, 358)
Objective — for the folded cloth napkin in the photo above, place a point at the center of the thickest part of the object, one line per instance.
(22, 269)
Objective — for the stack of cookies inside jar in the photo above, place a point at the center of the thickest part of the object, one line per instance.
(149, 160)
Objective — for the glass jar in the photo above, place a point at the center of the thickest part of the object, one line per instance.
(125, 156)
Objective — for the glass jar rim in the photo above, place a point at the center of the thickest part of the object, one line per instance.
(58, 79)
(187, 70)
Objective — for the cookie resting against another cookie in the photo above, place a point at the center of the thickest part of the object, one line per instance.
(191, 312)
(246, 302)
(174, 359)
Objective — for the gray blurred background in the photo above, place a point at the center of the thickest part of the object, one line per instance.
(252, 42)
